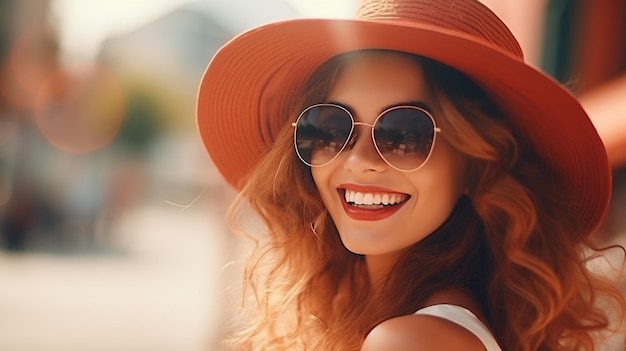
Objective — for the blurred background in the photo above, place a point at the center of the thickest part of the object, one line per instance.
(111, 215)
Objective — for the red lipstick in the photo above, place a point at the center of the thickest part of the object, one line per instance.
(366, 214)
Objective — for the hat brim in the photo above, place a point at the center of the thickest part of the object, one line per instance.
(253, 82)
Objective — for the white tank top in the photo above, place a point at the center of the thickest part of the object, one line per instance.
(465, 319)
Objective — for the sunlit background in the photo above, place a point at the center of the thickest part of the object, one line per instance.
(111, 215)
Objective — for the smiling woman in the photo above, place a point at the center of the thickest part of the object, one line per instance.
(418, 193)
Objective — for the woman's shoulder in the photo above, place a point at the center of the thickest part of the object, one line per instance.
(438, 328)
(421, 332)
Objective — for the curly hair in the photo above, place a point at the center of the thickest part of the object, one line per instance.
(512, 243)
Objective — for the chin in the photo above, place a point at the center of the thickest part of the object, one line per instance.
(367, 241)
(356, 246)
(365, 248)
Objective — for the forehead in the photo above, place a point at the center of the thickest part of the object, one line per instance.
(370, 80)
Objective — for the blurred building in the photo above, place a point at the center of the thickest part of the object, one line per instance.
(160, 65)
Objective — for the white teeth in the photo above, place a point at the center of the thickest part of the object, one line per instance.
(377, 199)
(368, 199)
(359, 198)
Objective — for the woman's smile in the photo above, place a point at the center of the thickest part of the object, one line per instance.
(370, 203)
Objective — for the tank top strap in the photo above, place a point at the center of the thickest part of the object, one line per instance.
(465, 319)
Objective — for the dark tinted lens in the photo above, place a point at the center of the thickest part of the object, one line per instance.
(321, 133)
(404, 137)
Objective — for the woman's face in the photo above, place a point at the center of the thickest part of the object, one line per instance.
(367, 85)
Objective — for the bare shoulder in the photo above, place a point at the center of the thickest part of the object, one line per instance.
(420, 332)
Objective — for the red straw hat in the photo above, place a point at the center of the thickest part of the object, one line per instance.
(252, 83)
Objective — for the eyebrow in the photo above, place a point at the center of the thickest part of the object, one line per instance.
(416, 103)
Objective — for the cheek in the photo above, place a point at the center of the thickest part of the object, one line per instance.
(450, 168)
(441, 185)
(317, 178)
(440, 194)
(321, 178)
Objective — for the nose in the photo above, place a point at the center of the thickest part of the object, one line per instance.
(361, 154)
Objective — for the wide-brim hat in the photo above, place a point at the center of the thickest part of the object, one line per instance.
(249, 89)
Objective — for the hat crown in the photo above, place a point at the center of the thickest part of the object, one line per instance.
(469, 17)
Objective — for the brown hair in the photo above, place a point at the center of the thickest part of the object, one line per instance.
(510, 243)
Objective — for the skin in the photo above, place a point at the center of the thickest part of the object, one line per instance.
(367, 86)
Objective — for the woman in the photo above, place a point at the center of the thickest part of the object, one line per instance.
(422, 188)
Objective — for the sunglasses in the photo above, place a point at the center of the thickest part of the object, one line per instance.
(403, 135)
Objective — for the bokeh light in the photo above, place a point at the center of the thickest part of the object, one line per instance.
(79, 111)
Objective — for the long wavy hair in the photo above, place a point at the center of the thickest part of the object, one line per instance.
(512, 243)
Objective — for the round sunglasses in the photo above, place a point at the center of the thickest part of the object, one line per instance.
(403, 135)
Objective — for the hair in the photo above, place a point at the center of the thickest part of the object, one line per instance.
(512, 243)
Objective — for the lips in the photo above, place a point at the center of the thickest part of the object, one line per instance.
(369, 203)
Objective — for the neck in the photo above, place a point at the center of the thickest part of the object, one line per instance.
(379, 267)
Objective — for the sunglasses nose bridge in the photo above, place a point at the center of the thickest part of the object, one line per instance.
(363, 154)
(363, 124)
(352, 140)
(371, 130)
